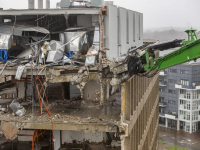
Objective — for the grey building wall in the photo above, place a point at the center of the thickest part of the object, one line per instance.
(192, 74)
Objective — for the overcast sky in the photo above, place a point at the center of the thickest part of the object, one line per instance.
(157, 13)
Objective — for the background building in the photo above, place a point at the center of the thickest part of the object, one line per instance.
(179, 99)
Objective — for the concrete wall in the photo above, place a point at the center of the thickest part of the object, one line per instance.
(81, 136)
(140, 112)
(90, 93)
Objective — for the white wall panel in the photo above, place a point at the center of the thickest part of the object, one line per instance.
(130, 26)
(111, 31)
(141, 29)
(122, 19)
(123, 29)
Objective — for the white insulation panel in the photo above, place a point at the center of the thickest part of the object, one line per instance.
(123, 29)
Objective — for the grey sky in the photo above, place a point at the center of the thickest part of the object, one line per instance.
(157, 13)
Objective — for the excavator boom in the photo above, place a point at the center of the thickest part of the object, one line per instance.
(189, 50)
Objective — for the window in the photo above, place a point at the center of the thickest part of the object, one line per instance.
(188, 95)
(197, 83)
(195, 94)
(161, 90)
(184, 72)
(188, 105)
(171, 102)
(173, 70)
(172, 91)
(181, 102)
(195, 116)
(161, 99)
(195, 105)
(197, 72)
(172, 81)
(185, 82)
(182, 91)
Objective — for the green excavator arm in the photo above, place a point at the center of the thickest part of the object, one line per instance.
(189, 50)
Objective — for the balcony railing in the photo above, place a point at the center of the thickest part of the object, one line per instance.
(162, 104)
(162, 73)
(162, 83)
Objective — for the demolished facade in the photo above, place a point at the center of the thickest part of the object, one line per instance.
(67, 67)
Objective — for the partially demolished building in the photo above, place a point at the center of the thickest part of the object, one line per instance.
(59, 73)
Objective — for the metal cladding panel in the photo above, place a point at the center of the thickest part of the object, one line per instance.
(137, 28)
(40, 4)
(111, 31)
(141, 29)
(122, 20)
(47, 4)
(31, 4)
(131, 28)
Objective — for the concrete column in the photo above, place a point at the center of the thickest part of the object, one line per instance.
(1, 19)
(178, 125)
(108, 90)
(57, 142)
(166, 122)
(191, 112)
(190, 126)
(21, 90)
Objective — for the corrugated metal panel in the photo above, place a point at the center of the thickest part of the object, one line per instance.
(40, 4)
(31, 4)
(122, 15)
(130, 28)
(48, 4)
(141, 29)
(111, 31)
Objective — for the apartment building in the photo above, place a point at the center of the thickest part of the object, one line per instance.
(179, 99)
